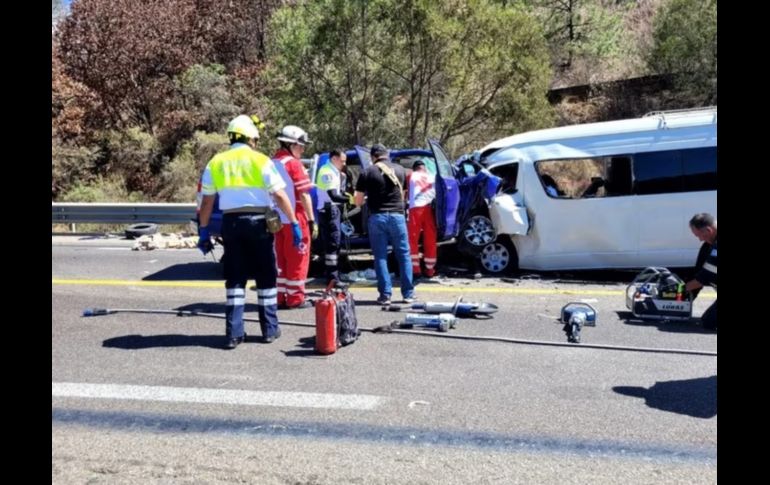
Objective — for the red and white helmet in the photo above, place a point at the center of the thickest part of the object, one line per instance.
(293, 134)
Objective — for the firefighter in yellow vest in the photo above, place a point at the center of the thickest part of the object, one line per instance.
(331, 197)
(247, 183)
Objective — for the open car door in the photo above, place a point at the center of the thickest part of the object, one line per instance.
(366, 161)
(447, 194)
(364, 156)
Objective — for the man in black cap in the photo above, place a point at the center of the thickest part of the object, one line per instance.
(383, 184)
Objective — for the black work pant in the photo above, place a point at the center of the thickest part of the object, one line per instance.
(709, 318)
(331, 236)
(249, 254)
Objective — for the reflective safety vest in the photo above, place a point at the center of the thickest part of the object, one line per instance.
(242, 177)
(329, 178)
(280, 165)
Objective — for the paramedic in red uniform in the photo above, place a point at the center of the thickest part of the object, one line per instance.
(294, 261)
(422, 193)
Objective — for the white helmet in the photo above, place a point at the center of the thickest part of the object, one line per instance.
(293, 134)
(243, 125)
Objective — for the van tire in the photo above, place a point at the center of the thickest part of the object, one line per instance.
(499, 257)
(142, 229)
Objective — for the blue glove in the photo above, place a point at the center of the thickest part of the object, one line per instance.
(296, 232)
(204, 240)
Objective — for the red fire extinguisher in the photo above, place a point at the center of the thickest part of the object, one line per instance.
(326, 322)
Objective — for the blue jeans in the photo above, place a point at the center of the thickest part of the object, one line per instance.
(384, 229)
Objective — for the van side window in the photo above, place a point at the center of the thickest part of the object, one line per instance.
(586, 177)
(672, 171)
(618, 176)
(700, 169)
(568, 178)
(658, 172)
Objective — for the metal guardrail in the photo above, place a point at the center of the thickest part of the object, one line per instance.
(116, 213)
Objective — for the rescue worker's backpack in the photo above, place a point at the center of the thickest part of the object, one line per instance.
(388, 172)
(347, 322)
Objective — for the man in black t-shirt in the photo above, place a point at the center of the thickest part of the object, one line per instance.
(383, 185)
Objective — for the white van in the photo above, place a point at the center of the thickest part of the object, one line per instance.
(616, 194)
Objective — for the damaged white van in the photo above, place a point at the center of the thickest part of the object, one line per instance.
(616, 194)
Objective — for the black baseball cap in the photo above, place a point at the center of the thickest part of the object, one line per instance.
(378, 150)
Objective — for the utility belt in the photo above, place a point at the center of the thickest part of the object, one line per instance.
(246, 210)
(328, 205)
(389, 212)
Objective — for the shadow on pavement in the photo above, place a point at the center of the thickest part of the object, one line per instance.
(692, 397)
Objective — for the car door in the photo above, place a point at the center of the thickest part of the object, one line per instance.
(447, 194)
(364, 156)
(317, 196)
(366, 161)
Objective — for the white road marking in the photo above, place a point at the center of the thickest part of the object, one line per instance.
(414, 404)
(217, 396)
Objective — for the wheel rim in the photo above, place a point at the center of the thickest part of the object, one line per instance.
(479, 231)
(495, 257)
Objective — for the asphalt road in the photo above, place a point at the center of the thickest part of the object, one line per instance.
(153, 398)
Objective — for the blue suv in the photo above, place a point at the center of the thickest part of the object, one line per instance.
(354, 220)
(461, 191)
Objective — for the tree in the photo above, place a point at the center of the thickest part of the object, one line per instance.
(129, 52)
(58, 12)
(72, 104)
(397, 71)
(582, 36)
(685, 45)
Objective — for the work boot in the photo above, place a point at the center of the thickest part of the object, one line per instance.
(272, 338)
(234, 342)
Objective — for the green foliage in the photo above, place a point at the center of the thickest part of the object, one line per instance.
(603, 35)
(586, 38)
(180, 177)
(397, 71)
(112, 189)
(70, 165)
(203, 90)
(142, 91)
(685, 45)
(134, 156)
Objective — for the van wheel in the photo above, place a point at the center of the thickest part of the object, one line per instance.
(478, 231)
(499, 257)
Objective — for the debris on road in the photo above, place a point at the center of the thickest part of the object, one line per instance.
(164, 241)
